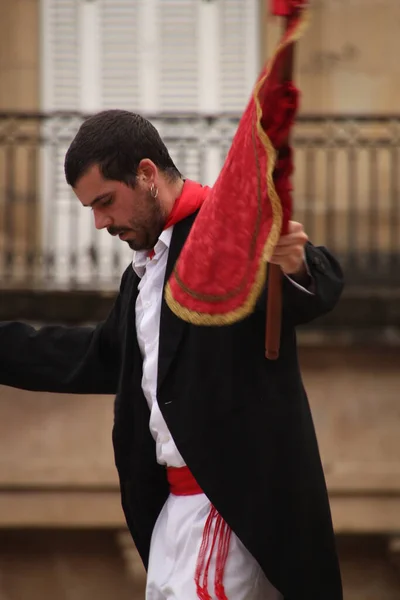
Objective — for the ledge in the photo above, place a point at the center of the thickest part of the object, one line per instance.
(61, 509)
(362, 314)
(362, 513)
(375, 514)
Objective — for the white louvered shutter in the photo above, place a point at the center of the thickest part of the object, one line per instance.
(60, 74)
(149, 56)
(178, 58)
(236, 66)
(239, 52)
(119, 73)
(120, 70)
(90, 63)
(209, 61)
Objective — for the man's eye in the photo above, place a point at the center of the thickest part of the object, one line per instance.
(107, 202)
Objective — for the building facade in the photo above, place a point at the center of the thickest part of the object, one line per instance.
(189, 65)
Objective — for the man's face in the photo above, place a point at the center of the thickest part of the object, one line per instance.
(131, 213)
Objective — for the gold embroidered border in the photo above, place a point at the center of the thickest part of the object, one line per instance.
(197, 318)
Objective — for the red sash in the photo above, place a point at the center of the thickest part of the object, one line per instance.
(182, 483)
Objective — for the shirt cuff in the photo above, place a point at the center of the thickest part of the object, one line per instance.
(310, 289)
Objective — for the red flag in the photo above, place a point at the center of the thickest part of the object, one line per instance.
(222, 267)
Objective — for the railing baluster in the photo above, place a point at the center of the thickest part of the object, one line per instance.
(73, 232)
(10, 199)
(310, 212)
(394, 211)
(32, 213)
(352, 208)
(336, 157)
(373, 216)
(330, 195)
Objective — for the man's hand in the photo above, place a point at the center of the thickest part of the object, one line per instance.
(289, 252)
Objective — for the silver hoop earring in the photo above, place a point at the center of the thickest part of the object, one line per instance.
(153, 191)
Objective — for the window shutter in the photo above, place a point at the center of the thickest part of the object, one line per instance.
(60, 73)
(239, 52)
(120, 54)
(178, 55)
(208, 64)
(60, 76)
(149, 56)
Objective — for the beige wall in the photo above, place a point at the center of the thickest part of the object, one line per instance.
(348, 60)
(49, 443)
(19, 92)
(346, 63)
(19, 55)
(55, 565)
(57, 473)
(88, 565)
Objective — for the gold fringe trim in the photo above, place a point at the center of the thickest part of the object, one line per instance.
(197, 318)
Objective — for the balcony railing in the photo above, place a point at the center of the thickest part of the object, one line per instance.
(346, 182)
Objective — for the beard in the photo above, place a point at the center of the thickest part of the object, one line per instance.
(144, 230)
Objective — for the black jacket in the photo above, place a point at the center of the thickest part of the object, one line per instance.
(242, 423)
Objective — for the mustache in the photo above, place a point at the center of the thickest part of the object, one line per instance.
(117, 230)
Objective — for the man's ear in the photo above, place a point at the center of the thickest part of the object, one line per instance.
(147, 171)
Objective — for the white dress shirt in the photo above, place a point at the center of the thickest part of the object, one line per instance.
(148, 311)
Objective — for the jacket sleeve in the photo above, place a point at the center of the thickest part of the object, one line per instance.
(327, 278)
(77, 360)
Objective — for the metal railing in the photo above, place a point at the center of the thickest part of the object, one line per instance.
(346, 182)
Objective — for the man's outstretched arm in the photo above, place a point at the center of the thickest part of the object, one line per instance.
(81, 360)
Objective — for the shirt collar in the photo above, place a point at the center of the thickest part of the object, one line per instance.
(141, 257)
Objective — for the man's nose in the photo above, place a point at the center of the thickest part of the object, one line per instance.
(101, 221)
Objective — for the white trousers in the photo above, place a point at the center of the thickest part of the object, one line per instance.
(174, 552)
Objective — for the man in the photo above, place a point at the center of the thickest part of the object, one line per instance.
(221, 480)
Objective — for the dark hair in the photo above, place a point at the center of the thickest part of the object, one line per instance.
(116, 140)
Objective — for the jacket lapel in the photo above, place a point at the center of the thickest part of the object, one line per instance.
(171, 327)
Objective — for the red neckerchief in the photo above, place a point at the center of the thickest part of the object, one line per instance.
(192, 197)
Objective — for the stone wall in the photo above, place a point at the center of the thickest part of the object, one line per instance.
(61, 524)
(19, 55)
(348, 58)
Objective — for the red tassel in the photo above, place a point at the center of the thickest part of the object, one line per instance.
(201, 586)
(222, 555)
(222, 533)
(182, 483)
